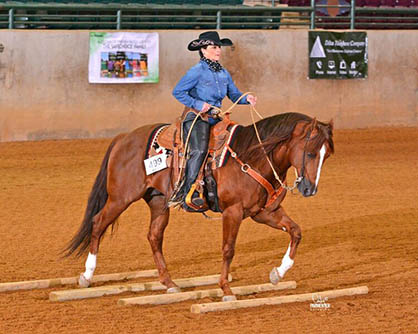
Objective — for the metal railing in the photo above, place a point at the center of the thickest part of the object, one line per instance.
(128, 16)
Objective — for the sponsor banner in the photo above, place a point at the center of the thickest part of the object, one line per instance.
(123, 57)
(337, 55)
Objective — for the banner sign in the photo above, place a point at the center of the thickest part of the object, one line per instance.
(123, 57)
(337, 55)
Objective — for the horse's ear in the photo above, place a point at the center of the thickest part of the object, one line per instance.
(331, 124)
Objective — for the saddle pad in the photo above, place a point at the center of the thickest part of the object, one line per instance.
(225, 152)
(152, 138)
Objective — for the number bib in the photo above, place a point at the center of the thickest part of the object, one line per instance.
(155, 163)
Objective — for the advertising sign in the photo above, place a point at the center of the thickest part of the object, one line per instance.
(123, 57)
(337, 55)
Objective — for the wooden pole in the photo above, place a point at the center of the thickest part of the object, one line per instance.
(212, 293)
(53, 282)
(132, 287)
(232, 305)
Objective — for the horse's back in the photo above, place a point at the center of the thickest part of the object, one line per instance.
(126, 159)
(134, 141)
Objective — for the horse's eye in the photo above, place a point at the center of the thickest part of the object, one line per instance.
(311, 155)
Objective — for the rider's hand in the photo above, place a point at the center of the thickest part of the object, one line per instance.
(206, 107)
(252, 99)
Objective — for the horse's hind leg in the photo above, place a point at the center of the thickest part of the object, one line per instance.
(160, 215)
(280, 220)
(101, 221)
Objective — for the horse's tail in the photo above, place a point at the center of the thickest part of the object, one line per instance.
(96, 202)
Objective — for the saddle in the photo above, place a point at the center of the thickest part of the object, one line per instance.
(167, 139)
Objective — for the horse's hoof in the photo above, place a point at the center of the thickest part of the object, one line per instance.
(229, 298)
(174, 289)
(274, 276)
(83, 282)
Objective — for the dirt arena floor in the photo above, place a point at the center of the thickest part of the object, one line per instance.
(360, 229)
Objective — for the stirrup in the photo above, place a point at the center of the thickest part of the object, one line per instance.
(195, 202)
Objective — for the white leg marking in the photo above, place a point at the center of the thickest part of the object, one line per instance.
(321, 161)
(90, 266)
(287, 263)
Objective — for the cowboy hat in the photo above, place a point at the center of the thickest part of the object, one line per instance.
(208, 38)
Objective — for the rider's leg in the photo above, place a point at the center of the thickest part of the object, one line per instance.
(198, 145)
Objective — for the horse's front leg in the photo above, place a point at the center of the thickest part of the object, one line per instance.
(159, 221)
(280, 220)
(232, 218)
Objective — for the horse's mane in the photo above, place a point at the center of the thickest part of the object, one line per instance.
(277, 130)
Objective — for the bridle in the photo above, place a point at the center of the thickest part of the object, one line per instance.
(299, 178)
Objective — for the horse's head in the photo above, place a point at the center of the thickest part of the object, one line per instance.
(310, 146)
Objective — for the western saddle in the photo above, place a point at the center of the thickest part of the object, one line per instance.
(168, 139)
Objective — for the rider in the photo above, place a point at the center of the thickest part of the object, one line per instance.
(205, 85)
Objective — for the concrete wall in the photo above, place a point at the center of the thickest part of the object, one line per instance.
(44, 89)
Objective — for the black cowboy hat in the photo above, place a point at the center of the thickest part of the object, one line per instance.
(208, 38)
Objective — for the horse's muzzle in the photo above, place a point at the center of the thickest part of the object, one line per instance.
(306, 188)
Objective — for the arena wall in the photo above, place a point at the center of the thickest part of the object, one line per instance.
(45, 93)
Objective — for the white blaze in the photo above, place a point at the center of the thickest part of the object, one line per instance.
(322, 152)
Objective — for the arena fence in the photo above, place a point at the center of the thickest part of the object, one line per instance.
(15, 15)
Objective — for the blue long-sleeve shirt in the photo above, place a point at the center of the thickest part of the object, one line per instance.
(201, 84)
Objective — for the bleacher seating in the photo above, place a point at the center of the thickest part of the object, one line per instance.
(387, 3)
(147, 14)
(296, 3)
(146, 2)
(203, 14)
(365, 20)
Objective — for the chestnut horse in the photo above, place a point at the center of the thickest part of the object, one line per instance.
(289, 139)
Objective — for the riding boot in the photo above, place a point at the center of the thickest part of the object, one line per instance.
(198, 146)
